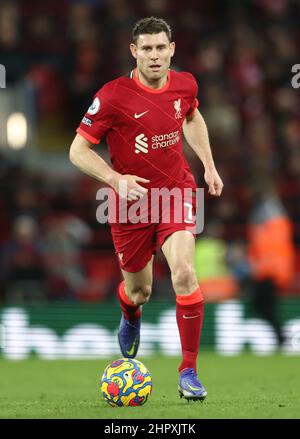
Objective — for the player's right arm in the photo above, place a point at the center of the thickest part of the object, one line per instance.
(88, 161)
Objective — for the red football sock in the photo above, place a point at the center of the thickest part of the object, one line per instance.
(130, 311)
(189, 316)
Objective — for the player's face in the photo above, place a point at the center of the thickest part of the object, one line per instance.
(153, 53)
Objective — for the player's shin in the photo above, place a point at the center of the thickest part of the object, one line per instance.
(130, 311)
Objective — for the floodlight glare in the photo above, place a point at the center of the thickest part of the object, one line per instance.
(16, 131)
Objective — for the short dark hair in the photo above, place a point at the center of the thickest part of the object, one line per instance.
(150, 25)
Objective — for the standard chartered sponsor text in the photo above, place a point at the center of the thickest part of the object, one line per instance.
(165, 140)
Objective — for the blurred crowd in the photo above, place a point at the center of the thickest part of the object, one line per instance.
(241, 53)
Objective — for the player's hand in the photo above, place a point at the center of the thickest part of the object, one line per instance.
(214, 182)
(128, 187)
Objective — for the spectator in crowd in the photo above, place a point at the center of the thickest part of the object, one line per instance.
(62, 243)
(271, 253)
(212, 268)
(22, 266)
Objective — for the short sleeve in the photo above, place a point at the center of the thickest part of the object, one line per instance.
(193, 107)
(98, 119)
(194, 103)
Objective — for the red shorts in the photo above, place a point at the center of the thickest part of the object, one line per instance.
(136, 243)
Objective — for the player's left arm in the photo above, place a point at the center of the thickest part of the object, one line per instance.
(196, 134)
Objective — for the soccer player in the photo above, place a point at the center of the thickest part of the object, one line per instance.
(142, 115)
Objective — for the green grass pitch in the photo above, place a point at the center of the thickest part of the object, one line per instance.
(246, 386)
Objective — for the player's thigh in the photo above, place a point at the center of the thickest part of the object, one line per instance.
(139, 282)
(179, 248)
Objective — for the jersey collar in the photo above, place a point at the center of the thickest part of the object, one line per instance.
(133, 75)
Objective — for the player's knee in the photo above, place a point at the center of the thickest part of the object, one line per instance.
(183, 277)
(141, 294)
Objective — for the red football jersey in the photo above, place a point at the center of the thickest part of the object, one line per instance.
(143, 127)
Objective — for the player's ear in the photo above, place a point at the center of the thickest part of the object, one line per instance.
(133, 49)
(172, 46)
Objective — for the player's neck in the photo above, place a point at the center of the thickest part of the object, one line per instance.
(155, 84)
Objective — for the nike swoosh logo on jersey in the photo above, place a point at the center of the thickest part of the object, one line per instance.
(190, 317)
(137, 116)
(131, 351)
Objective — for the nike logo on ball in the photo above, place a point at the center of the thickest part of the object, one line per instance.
(137, 116)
